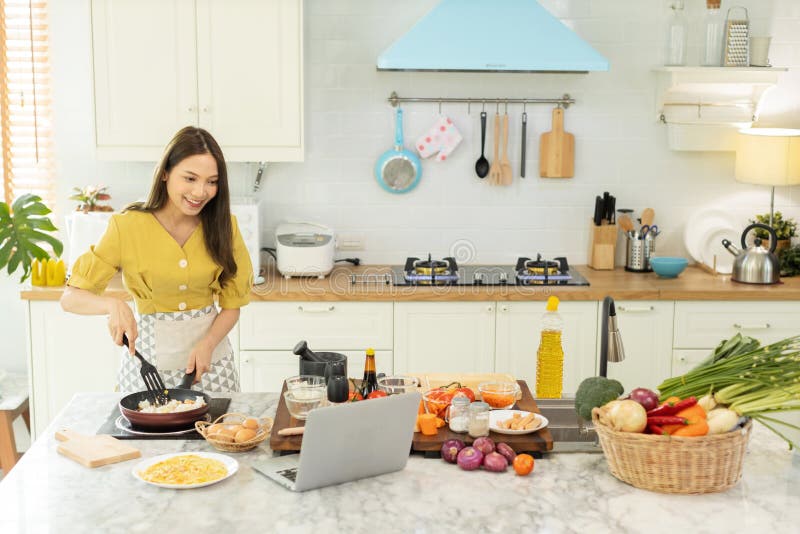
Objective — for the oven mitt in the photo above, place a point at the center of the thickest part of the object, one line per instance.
(441, 139)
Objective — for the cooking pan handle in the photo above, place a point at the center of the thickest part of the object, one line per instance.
(398, 129)
(187, 381)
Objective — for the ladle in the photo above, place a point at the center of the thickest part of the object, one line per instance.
(482, 165)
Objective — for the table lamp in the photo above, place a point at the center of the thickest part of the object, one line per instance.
(768, 156)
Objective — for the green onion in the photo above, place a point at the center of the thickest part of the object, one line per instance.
(765, 380)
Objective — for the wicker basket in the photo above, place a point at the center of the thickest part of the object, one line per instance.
(264, 427)
(669, 464)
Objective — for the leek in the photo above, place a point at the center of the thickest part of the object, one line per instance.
(762, 381)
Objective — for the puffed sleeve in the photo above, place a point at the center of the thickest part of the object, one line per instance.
(93, 269)
(236, 292)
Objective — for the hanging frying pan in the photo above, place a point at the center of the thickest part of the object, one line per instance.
(398, 170)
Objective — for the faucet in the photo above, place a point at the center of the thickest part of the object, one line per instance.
(611, 349)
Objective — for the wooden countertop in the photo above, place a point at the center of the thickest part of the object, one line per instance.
(693, 284)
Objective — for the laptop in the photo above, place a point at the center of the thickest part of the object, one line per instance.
(347, 442)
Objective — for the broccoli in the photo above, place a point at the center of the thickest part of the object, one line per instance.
(596, 391)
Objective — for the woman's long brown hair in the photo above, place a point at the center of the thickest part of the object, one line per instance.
(216, 215)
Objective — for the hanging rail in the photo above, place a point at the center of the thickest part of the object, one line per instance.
(564, 101)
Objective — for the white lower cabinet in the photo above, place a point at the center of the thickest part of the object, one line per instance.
(67, 354)
(444, 337)
(684, 360)
(646, 330)
(703, 324)
(268, 331)
(518, 329)
(265, 370)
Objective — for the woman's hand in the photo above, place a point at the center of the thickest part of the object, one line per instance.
(121, 321)
(200, 359)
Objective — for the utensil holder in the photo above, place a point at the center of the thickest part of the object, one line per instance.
(602, 246)
(639, 251)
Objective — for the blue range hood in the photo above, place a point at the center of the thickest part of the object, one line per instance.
(491, 36)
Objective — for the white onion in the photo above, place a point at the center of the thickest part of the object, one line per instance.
(625, 416)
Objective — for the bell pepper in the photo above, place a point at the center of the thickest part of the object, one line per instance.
(56, 272)
(696, 424)
(39, 273)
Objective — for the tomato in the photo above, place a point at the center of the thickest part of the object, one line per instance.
(354, 395)
(377, 394)
(523, 464)
(466, 392)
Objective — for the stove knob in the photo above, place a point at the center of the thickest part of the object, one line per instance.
(503, 278)
(477, 278)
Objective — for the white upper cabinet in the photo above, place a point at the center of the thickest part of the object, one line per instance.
(233, 67)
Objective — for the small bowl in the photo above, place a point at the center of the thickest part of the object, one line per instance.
(499, 395)
(394, 385)
(300, 401)
(668, 267)
(305, 381)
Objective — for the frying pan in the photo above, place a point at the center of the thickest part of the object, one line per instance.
(129, 408)
(398, 170)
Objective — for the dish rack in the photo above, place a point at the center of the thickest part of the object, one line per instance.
(671, 464)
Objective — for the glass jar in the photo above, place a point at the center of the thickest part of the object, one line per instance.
(459, 414)
(478, 419)
(714, 29)
(677, 35)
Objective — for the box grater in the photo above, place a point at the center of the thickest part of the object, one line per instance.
(737, 44)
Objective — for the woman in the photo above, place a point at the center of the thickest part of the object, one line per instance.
(177, 251)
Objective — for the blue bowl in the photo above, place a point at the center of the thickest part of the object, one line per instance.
(668, 267)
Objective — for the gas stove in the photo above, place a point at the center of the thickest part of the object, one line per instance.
(526, 272)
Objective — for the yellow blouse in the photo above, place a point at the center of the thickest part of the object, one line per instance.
(161, 275)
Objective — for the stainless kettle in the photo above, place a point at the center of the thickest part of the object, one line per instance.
(755, 265)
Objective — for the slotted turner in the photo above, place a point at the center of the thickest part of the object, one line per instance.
(151, 377)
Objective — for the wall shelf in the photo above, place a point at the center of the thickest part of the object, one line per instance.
(704, 107)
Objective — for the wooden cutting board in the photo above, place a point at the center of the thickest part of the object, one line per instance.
(94, 451)
(538, 442)
(557, 150)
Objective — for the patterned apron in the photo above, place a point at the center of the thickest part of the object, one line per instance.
(166, 339)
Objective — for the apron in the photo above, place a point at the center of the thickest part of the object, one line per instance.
(166, 339)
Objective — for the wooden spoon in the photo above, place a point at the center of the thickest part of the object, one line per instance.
(648, 215)
(625, 223)
(505, 163)
(495, 173)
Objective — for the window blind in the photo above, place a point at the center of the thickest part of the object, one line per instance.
(26, 100)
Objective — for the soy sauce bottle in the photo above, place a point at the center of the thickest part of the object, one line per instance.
(370, 381)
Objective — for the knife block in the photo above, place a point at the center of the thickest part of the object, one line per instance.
(602, 246)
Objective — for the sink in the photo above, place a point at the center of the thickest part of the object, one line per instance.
(570, 432)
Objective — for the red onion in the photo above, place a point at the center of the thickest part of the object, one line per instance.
(507, 452)
(484, 444)
(469, 458)
(648, 399)
(450, 450)
(495, 462)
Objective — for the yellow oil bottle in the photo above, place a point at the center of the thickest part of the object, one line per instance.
(550, 357)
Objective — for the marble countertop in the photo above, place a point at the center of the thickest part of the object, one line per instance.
(47, 492)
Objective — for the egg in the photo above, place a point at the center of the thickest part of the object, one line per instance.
(214, 429)
(245, 434)
(225, 438)
(251, 423)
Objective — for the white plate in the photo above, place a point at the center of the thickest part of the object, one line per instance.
(699, 224)
(712, 246)
(495, 416)
(230, 464)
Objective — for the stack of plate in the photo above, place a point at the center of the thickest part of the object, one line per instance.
(703, 235)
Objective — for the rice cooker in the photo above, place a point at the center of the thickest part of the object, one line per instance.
(304, 249)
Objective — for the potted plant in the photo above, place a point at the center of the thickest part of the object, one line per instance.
(89, 198)
(785, 229)
(23, 226)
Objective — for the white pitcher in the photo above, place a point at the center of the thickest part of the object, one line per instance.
(84, 230)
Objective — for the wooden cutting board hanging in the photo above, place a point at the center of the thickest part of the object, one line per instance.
(94, 451)
(557, 150)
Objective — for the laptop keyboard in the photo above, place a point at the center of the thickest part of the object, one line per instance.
(291, 474)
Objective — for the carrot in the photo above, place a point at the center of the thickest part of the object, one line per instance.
(421, 408)
(439, 422)
(427, 424)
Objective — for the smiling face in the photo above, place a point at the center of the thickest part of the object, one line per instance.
(191, 184)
